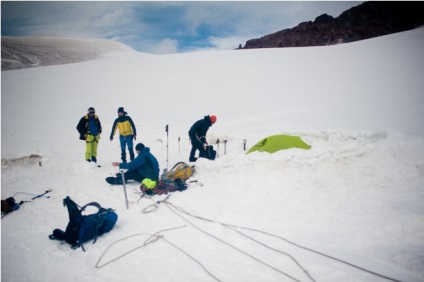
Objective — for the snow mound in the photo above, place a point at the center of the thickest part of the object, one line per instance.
(22, 161)
(27, 52)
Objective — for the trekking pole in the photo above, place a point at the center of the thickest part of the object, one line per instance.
(125, 188)
(179, 147)
(166, 129)
(217, 148)
(244, 144)
(225, 147)
(17, 205)
(41, 195)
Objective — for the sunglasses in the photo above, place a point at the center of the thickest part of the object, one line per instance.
(91, 113)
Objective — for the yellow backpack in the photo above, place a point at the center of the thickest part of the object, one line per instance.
(180, 170)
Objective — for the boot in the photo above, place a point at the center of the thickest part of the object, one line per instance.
(114, 180)
(123, 157)
(192, 157)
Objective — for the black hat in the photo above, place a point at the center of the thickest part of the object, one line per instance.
(139, 147)
(121, 110)
(91, 109)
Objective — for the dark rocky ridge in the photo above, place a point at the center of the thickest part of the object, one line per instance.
(370, 19)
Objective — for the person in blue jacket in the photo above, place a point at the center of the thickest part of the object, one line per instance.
(144, 166)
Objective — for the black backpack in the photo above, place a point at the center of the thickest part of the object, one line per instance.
(209, 153)
(82, 228)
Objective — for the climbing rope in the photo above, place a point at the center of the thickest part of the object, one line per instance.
(169, 205)
(180, 212)
(155, 206)
(233, 227)
(153, 238)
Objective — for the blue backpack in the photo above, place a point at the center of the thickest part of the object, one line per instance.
(82, 228)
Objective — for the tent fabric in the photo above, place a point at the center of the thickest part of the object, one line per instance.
(278, 142)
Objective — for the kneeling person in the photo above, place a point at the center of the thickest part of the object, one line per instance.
(144, 166)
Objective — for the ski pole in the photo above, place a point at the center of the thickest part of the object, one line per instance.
(125, 188)
(225, 147)
(179, 146)
(244, 144)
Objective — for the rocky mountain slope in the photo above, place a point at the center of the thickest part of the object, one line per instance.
(370, 19)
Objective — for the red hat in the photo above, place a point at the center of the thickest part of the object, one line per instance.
(213, 119)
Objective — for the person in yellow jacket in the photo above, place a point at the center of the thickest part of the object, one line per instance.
(127, 133)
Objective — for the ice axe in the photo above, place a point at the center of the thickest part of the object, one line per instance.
(125, 187)
(167, 135)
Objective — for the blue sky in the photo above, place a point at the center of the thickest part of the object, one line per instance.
(163, 27)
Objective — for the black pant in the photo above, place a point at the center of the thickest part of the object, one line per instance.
(196, 145)
(134, 175)
(130, 175)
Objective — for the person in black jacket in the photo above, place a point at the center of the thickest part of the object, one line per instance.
(197, 134)
(89, 128)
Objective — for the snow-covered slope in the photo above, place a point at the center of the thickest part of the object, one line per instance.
(27, 52)
(356, 195)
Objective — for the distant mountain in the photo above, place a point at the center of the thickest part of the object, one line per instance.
(370, 19)
(27, 52)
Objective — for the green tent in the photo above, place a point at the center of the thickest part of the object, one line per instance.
(278, 142)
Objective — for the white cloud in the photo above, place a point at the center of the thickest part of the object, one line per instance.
(226, 43)
(193, 25)
(166, 46)
(118, 17)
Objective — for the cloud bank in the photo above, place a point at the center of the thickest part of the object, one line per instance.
(163, 27)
